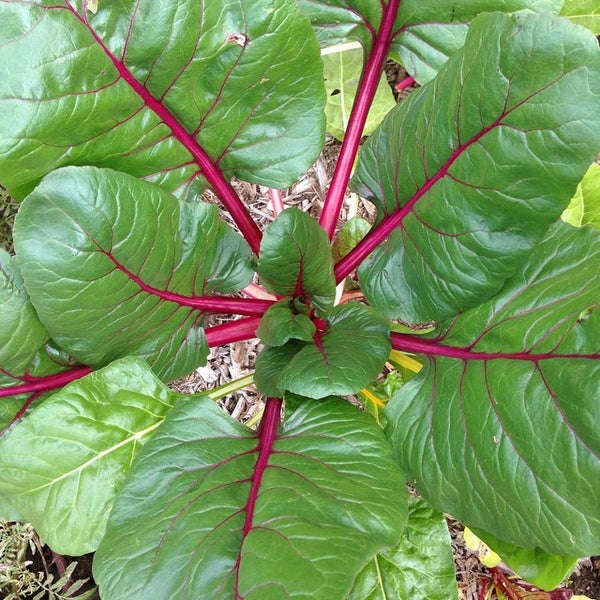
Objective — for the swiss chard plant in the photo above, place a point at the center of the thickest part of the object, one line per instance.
(115, 120)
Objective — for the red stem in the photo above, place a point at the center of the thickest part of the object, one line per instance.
(276, 201)
(411, 343)
(358, 117)
(234, 331)
(210, 170)
(47, 383)
(21, 412)
(404, 83)
(267, 435)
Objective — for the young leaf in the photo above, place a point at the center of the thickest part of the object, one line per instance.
(281, 324)
(295, 260)
(464, 201)
(584, 208)
(115, 266)
(420, 567)
(210, 511)
(159, 90)
(342, 76)
(62, 466)
(344, 358)
(502, 420)
(270, 363)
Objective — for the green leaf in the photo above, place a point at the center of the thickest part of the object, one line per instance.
(352, 231)
(584, 208)
(420, 567)
(424, 48)
(500, 429)
(425, 34)
(147, 87)
(546, 571)
(339, 21)
(465, 177)
(269, 365)
(280, 324)
(184, 525)
(295, 260)
(62, 466)
(112, 264)
(349, 354)
(342, 74)
(22, 333)
(583, 12)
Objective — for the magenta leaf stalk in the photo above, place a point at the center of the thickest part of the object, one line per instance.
(45, 383)
(358, 117)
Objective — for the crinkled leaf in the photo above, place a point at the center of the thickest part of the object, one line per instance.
(329, 496)
(147, 87)
(546, 571)
(110, 261)
(342, 74)
(280, 324)
(473, 180)
(62, 466)
(503, 419)
(347, 356)
(583, 12)
(295, 260)
(584, 208)
(420, 567)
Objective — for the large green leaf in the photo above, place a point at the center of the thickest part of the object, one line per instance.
(62, 466)
(420, 567)
(295, 260)
(342, 75)
(470, 181)
(500, 428)
(583, 12)
(110, 261)
(146, 87)
(211, 511)
(584, 208)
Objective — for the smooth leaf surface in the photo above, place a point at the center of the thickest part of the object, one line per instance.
(348, 355)
(110, 261)
(420, 567)
(584, 208)
(583, 12)
(148, 87)
(295, 260)
(463, 177)
(62, 466)
(330, 496)
(503, 418)
(342, 75)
